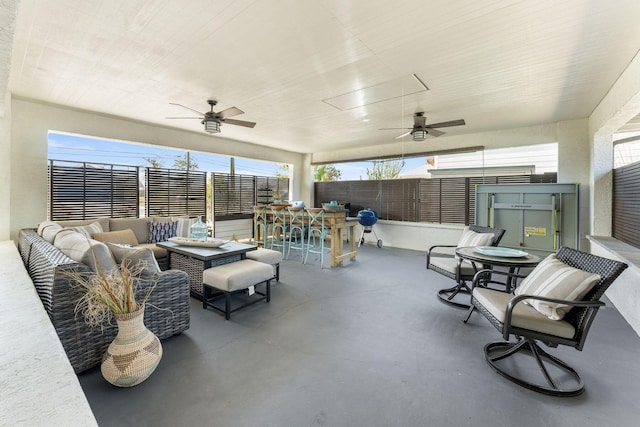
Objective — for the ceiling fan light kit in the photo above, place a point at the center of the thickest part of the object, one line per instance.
(420, 135)
(212, 120)
(421, 129)
(211, 126)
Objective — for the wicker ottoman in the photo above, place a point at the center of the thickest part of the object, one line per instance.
(225, 280)
(268, 256)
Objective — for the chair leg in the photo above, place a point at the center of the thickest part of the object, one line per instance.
(447, 295)
(496, 351)
(469, 313)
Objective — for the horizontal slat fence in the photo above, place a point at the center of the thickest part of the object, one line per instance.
(437, 200)
(80, 190)
(171, 192)
(626, 204)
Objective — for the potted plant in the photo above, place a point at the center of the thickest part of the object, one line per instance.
(135, 352)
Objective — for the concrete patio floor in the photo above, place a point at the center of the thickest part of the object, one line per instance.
(366, 344)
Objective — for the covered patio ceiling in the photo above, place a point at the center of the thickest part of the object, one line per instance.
(317, 76)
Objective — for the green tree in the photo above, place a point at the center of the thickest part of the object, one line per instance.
(185, 163)
(385, 169)
(154, 163)
(283, 171)
(324, 173)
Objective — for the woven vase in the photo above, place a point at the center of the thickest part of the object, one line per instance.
(134, 354)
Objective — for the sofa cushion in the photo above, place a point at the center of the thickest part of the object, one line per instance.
(88, 230)
(136, 256)
(104, 222)
(50, 231)
(124, 237)
(554, 279)
(87, 251)
(161, 231)
(45, 224)
(140, 227)
(157, 250)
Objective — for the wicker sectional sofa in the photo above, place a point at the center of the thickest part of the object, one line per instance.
(167, 311)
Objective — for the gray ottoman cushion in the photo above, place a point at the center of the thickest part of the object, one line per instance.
(237, 275)
(267, 256)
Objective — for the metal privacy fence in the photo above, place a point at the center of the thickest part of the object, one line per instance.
(81, 190)
(171, 192)
(626, 204)
(437, 200)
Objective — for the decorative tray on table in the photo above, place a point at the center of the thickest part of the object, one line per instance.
(500, 252)
(209, 243)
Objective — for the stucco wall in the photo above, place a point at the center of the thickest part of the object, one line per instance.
(5, 170)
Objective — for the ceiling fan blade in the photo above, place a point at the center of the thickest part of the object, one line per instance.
(435, 132)
(394, 128)
(419, 121)
(229, 112)
(239, 123)
(404, 134)
(446, 124)
(184, 106)
(199, 118)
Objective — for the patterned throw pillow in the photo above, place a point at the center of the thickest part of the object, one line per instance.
(161, 231)
(554, 279)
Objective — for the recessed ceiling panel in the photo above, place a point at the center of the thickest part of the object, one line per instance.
(396, 88)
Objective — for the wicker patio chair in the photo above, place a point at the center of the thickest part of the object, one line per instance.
(511, 316)
(461, 272)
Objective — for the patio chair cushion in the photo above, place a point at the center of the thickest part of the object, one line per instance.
(554, 279)
(523, 315)
(471, 238)
(123, 237)
(135, 256)
(451, 264)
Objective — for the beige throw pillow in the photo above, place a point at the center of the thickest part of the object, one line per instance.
(554, 279)
(135, 256)
(124, 237)
(471, 238)
(184, 226)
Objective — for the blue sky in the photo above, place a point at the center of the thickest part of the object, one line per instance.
(85, 149)
(93, 150)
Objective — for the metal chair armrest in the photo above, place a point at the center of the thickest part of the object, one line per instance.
(438, 246)
(519, 298)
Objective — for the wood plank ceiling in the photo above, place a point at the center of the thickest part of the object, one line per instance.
(497, 64)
